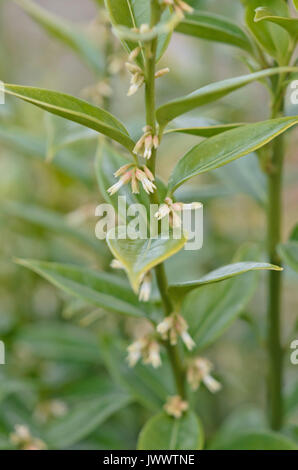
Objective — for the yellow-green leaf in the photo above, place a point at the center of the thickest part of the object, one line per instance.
(140, 255)
(289, 24)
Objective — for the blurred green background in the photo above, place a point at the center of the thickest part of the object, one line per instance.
(63, 358)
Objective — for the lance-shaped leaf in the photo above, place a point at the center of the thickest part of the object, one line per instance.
(73, 109)
(214, 28)
(132, 14)
(50, 220)
(212, 92)
(163, 432)
(289, 24)
(274, 39)
(224, 148)
(180, 289)
(289, 253)
(212, 308)
(98, 288)
(66, 32)
(140, 255)
(204, 131)
(85, 417)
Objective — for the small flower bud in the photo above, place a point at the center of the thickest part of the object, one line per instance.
(162, 72)
(175, 406)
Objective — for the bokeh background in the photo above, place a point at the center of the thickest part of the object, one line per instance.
(57, 363)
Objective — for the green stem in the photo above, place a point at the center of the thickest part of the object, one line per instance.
(274, 223)
(161, 277)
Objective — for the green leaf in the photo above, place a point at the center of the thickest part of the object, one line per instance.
(85, 418)
(270, 36)
(212, 92)
(163, 432)
(289, 24)
(289, 253)
(34, 147)
(67, 33)
(258, 440)
(73, 109)
(132, 14)
(180, 289)
(50, 220)
(60, 342)
(211, 309)
(140, 255)
(295, 2)
(98, 288)
(227, 147)
(204, 131)
(214, 28)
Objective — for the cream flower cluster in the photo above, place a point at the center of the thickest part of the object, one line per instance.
(133, 174)
(199, 371)
(174, 326)
(146, 143)
(175, 406)
(173, 210)
(146, 348)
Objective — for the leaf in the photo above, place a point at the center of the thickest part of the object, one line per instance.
(211, 309)
(295, 2)
(73, 109)
(270, 36)
(258, 440)
(203, 131)
(98, 288)
(289, 253)
(289, 24)
(212, 92)
(180, 289)
(34, 147)
(227, 147)
(84, 418)
(60, 342)
(140, 255)
(67, 33)
(132, 14)
(214, 28)
(50, 220)
(163, 432)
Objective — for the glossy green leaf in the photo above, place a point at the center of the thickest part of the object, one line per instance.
(180, 289)
(226, 147)
(98, 288)
(289, 253)
(50, 220)
(211, 309)
(214, 28)
(289, 24)
(67, 33)
(163, 432)
(84, 418)
(203, 131)
(274, 39)
(73, 109)
(140, 255)
(58, 341)
(257, 440)
(212, 92)
(132, 14)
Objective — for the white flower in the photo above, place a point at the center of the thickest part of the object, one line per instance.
(174, 326)
(146, 143)
(173, 210)
(179, 6)
(145, 289)
(132, 173)
(175, 406)
(198, 371)
(146, 348)
(137, 78)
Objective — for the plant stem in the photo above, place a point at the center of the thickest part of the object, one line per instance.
(161, 277)
(274, 223)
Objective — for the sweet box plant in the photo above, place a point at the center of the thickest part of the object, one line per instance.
(181, 321)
